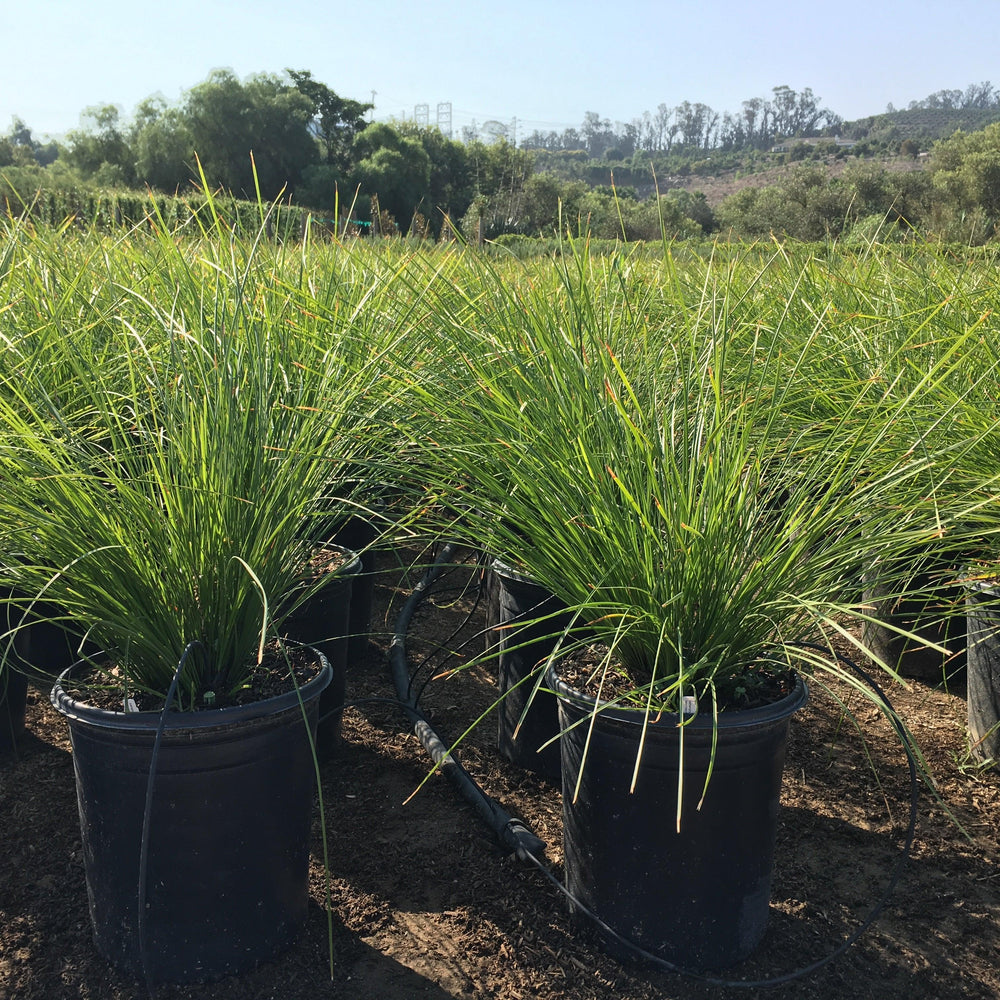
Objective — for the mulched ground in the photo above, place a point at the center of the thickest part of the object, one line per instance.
(424, 903)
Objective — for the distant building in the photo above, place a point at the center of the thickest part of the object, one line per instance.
(787, 145)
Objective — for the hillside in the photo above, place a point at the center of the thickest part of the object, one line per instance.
(721, 186)
(923, 125)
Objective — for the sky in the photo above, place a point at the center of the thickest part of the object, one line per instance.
(530, 64)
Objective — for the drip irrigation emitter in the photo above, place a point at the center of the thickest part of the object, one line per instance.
(514, 835)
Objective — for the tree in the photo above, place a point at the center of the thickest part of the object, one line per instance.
(499, 172)
(943, 99)
(451, 181)
(627, 137)
(691, 121)
(261, 126)
(571, 139)
(664, 128)
(597, 134)
(757, 122)
(163, 146)
(980, 95)
(101, 145)
(965, 172)
(17, 147)
(547, 198)
(335, 120)
(395, 168)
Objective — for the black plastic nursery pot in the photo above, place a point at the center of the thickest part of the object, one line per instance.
(227, 843)
(13, 706)
(359, 534)
(697, 898)
(13, 682)
(982, 604)
(523, 642)
(324, 622)
(927, 612)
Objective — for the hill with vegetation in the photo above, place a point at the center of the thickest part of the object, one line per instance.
(782, 165)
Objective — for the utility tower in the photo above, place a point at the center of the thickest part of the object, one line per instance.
(422, 114)
(444, 118)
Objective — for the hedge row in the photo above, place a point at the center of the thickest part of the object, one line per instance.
(105, 210)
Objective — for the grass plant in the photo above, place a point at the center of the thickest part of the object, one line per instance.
(175, 419)
(676, 476)
(700, 454)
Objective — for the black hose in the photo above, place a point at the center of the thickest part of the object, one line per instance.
(447, 642)
(511, 832)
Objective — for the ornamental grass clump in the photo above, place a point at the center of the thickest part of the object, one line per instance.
(163, 499)
(665, 479)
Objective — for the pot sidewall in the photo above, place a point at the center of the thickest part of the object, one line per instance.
(13, 706)
(521, 643)
(982, 606)
(229, 831)
(327, 621)
(698, 898)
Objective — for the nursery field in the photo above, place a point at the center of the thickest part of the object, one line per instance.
(726, 473)
(425, 903)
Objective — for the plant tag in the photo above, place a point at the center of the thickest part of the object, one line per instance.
(689, 705)
(131, 706)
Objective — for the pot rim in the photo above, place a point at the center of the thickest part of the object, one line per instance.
(983, 585)
(510, 572)
(350, 567)
(208, 718)
(734, 719)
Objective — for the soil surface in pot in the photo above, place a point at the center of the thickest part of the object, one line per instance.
(271, 677)
(592, 671)
(422, 901)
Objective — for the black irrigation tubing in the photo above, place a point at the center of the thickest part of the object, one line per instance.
(481, 573)
(447, 642)
(513, 834)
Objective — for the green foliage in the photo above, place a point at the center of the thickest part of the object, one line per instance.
(806, 210)
(335, 120)
(262, 132)
(923, 125)
(809, 204)
(62, 203)
(101, 143)
(547, 200)
(499, 172)
(176, 411)
(965, 170)
(705, 461)
(163, 146)
(250, 133)
(395, 169)
(452, 184)
(314, 147)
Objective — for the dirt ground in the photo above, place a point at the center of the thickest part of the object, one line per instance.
(423, 902)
